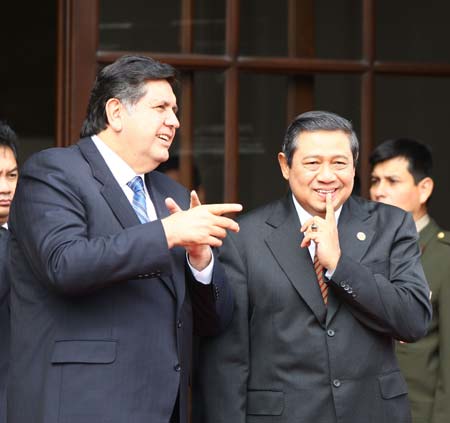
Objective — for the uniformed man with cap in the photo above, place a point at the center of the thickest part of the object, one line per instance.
(401, 176)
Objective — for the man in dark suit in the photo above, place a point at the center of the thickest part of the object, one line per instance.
(111, 277)
(323, 284)
(402, 177)
(8, 182)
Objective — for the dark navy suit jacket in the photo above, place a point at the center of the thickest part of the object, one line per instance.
(102, 312)
(4, 321)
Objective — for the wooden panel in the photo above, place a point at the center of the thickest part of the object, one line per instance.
(367, 95)
(77, 45)
(300, 44)
(231, 177)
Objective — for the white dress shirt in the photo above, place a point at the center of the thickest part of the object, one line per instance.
(123, 174)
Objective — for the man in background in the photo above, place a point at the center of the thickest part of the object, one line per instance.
(8, 181)
(402, 176)
(112, 263)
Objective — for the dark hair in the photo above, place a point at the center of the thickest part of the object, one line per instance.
(8, 138)
(125, 80)
(317, 120)
(418, 155)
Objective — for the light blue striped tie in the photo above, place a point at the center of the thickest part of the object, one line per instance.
(139, 203)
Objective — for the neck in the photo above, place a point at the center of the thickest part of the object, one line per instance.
(120, 147)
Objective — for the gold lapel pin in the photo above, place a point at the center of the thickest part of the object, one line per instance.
(361, 236)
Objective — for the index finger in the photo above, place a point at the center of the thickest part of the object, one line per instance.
(329, 216)
(219, 209)
(195, 201)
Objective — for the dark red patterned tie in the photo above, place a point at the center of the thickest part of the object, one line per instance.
(322, 285)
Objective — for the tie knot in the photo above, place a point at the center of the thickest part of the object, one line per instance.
(136, 184)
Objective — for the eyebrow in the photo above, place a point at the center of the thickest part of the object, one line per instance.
(167, 104)
(338, 156)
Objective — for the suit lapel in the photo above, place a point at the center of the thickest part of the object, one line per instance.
(284, 243)
(113, 194)
(111, 191)
(355, 236)
(176, 282)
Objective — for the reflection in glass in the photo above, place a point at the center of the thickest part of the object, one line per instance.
(209, 27)
(160, 27)
(417, 107)
(140, 25)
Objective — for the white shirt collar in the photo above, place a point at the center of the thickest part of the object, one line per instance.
(120, 169)
(422, 222)
(303, 216)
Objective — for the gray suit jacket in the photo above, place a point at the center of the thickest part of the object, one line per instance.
(286, 357)
(102, 312)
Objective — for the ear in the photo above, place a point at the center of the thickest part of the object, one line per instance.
(282, 160)
(426, 186)
(114, 110)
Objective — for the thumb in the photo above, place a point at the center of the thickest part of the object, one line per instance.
(172, 206)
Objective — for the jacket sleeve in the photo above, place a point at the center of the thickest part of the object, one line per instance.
(220, 383)
(394, 302)
(52, 221)
(212, 304)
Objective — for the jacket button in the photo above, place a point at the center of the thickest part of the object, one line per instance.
(177, 368)
(336, 383)
(179, 324)
(343, 284)
(330, 332)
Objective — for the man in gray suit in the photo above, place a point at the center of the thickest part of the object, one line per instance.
(8, 181)
(112, 266)
(323, 284)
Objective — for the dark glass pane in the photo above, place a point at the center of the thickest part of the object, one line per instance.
(209, 27)
(208, 143)
(341, 94)
(324, 29)
(28, 74)
(417, 107)
(262, 122)
(413, 30)
(140, 25)
(262, 116)
(338, 29)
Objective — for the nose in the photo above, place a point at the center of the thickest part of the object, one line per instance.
(326, 173)
(172, 120)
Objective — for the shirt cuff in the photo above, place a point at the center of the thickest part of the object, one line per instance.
(329, 274)
(203, 276)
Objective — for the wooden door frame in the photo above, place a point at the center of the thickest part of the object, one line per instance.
(79, 57)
